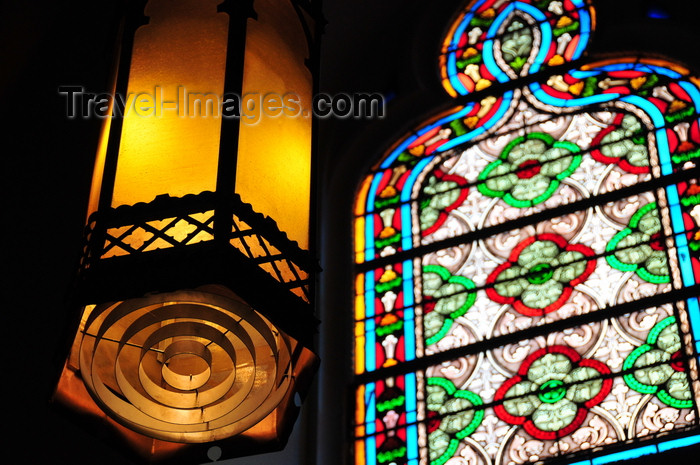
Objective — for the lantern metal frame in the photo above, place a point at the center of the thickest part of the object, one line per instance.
(197, 241)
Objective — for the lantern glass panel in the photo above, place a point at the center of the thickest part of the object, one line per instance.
(273, 171)
(170, 137)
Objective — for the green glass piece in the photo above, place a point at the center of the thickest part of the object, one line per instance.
(540, 273)
(552, 391)
(516, 44)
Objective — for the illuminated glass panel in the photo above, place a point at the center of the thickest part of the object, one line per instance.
(568, 391)
(494, 41)
(527, 262)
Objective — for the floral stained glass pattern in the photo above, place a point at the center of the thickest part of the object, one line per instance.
(441, 194)
(659, 366)
(639, 247)
(453, 415)
(495, 41)
(528, 262)
(447, 298)
(529, 170)
(542, 397)
(623, 143)
(552, 392)
(540, 274)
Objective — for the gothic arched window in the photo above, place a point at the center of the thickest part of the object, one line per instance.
(527, 262)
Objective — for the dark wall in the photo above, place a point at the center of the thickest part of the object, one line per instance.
(47, 164)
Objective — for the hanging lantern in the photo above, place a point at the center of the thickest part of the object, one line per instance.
(194, 285)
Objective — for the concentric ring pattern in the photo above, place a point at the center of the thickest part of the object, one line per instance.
(188, 366)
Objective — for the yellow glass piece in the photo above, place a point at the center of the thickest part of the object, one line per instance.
(362, 196)
(169, 145)
(359, 293)
(360, 411)
(360, 453)
(273, 172)
(360, 339)
(359, 240)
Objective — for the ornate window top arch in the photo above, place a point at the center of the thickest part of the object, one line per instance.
(497, 41)
(527, 262)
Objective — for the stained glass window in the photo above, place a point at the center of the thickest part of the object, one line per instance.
(527, 262)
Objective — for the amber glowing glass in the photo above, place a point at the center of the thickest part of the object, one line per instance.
(274, 156)
(168, 146)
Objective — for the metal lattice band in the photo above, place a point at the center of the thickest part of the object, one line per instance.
(170, 223)
(188, 366)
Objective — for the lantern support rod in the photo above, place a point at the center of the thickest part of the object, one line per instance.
(239, 12)
(134, 18)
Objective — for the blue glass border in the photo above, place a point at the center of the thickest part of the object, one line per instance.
(643, 450)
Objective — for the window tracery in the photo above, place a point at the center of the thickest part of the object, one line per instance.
(527, 262)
